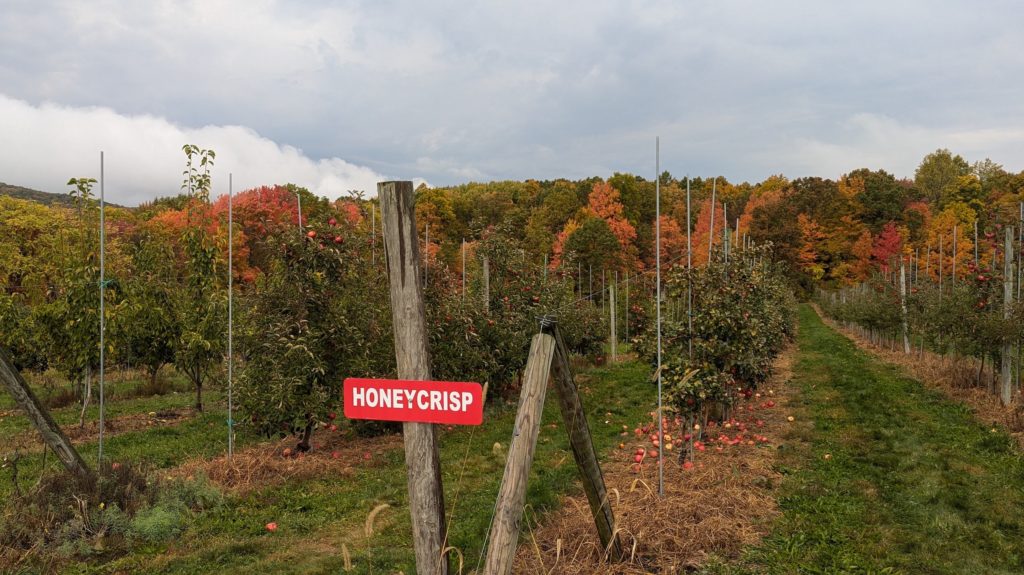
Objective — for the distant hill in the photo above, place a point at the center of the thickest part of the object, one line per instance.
(45, 198)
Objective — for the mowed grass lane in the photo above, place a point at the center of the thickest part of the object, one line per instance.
(912, 482)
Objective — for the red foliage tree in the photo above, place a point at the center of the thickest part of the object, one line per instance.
(673, 240)
(604, 202)
(887, 246)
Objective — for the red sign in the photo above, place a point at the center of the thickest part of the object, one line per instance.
(448, 402)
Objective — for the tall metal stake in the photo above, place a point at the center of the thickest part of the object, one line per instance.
(689, 270)
(627, 307)
(231, 318)
(711, 234)
(103, 318)
(954, 254)
(725, 231)
(975, 244)
(940, 267)
(657, 265)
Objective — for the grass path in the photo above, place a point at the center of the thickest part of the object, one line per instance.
(912, 483)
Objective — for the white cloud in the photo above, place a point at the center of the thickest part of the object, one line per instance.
(880, 142)
(46, 145)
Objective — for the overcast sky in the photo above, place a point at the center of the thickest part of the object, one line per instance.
(336, 95)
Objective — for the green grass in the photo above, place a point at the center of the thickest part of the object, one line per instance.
(118, 386)
(914, 483)
(68, 416)
(317, 516)
(160, 447)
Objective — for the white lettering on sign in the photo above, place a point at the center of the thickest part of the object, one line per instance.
(412, 399)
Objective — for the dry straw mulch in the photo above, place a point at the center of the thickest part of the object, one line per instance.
(334, 454)
(954, 376)
(28, 439)
(721, 505)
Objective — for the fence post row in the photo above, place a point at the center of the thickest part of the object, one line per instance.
(422, 459)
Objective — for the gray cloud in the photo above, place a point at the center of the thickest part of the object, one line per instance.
(451, 91)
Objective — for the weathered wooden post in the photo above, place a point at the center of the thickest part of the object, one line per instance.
(508, 514)
(575, 420)
(422, 459)
(1008, 272)
(54, 438)
(548, 358)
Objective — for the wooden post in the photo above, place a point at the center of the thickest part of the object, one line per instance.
(54, 438)
(508, 513)
(575, 420)
(1008, 272)
(422, 459)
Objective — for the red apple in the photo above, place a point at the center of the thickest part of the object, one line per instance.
(271, 526)
(311, 234)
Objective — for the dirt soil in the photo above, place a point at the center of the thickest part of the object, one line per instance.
(27, 440)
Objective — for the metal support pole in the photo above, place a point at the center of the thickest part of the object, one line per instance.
(103, 318)
(231, 319)
(711, 234)
(657, 256)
